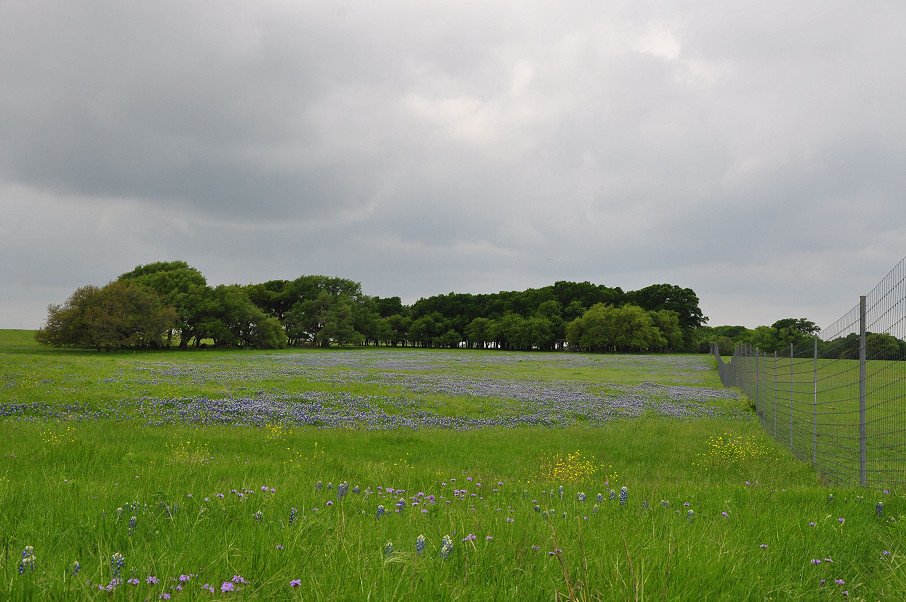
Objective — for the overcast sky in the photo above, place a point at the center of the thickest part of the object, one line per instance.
(752, 151)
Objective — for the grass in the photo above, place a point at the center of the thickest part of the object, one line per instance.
(714, 509)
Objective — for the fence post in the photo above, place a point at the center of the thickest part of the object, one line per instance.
(863, 476)
(757, 400)
(815, 409)
(775, 395)
(791, 398)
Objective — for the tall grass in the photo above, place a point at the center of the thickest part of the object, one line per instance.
(712, 509)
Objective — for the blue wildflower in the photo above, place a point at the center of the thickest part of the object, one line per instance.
(420, 544)
(624, 493)
(446, 546)
(27, 564)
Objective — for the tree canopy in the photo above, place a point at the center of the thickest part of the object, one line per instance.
(326, 310)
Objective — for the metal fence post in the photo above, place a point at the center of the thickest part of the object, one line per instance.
(815, 409)
(791, 398)
(863, 473)
(757, 393)
(775, 395)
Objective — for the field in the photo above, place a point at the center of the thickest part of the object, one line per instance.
(390, 474)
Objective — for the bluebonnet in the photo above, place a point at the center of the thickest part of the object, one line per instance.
(380, 511)
(880, 508)
(600, 498)
(561, 492)
(342, 488)
(420, 544)
(388, 549)
(446, 546)
(131, 525)
(624, 493)
(27, 564)
(116, 564)
(292, 515)
(581, 496)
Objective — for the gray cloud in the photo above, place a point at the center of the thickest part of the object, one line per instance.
(750, 151)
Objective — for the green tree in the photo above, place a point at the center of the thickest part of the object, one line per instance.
(121, 314)
(479, 332)
(180, 286)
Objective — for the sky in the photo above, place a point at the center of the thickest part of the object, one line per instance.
(751, 151)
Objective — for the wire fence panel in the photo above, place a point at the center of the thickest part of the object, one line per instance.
(839, 400)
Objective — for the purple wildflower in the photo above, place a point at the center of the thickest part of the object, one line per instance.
(227, 586)
(295, 583)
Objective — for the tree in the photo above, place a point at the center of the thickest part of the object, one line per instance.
(478, 332)
(121, 314)
(179, 286)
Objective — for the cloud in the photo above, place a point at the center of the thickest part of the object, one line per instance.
(470, 146)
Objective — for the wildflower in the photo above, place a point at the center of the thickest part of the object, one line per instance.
(292, 515)
(388, 549)
(133, 581)
(885, 553)
(279, 547)
(446, 546)
(594, 508)
(164, 596)
(258, 516)
(842, 520)
(116, 564)
(27, 564)
(839, 581)
(645, 504)
(665, 503)
(227, 586)
(469, 537)
(880, 508)
(599, 498)
(151, 580)
(816, 561)
(420, 544)
(295, 583)
(764, 545)
(613, 494)
(76, 567)
(208, 587)
(812, 525)
(690, 516)
(489, 538)
(342, 488)
(318, 485)
(328, 503)
(561, 492)
(581, 496)
(380, 511)
(131, 526)
(238, 579)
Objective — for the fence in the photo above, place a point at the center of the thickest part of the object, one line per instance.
(839, 399)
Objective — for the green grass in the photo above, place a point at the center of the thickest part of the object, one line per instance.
(70, 487)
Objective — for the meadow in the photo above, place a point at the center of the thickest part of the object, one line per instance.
(388, 474)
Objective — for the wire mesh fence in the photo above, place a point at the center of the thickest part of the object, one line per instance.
(838, 400)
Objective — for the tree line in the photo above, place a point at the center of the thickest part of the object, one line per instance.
(801, 334)
(168, 304)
